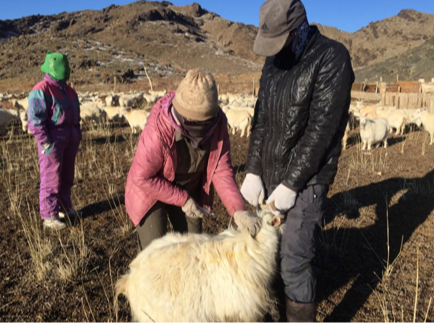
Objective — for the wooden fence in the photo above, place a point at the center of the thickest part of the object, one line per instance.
(403, 95)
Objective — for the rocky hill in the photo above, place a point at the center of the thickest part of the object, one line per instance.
(414, 64)
(167, 40)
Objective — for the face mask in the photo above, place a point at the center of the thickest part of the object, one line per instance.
(196, 131)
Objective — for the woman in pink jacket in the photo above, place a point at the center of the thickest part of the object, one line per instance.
(182, 154)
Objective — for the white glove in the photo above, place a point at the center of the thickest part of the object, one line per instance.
(192, 209)
(253, 189)
(244, 219)
(284, 199)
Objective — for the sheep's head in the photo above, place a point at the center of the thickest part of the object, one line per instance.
(417, 114)
(363, 121)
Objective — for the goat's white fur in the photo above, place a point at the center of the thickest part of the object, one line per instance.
(427, 120)
(373, 131)
(137, 118)
(198, 277)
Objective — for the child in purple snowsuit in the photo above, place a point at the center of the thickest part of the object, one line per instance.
(54, 120)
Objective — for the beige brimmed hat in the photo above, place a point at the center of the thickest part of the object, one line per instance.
(277, 18)
(196, 97)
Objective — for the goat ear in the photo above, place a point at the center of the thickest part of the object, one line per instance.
(276, 221)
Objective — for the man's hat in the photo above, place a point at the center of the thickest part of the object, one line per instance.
(277, 18)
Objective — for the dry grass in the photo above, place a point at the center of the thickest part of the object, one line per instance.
(104, 157)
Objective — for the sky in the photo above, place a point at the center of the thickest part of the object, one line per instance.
(347, 15)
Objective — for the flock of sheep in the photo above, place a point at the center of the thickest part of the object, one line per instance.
(377, 121)
(96, 108)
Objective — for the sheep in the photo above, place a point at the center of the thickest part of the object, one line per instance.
(22, 104)
(223, 99)
(24, 121)
(232, 96)
(427, 120)
(113, 114)
(159, 93)
(111, 100)
(129, 100)
(373, 131)
(152, 98)
(203, 278)
(369, 111)
(136, 118)
(395, 118)
(238, 119)
(6, 117)
(90, 112)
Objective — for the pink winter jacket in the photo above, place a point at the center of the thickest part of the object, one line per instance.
(153, 169)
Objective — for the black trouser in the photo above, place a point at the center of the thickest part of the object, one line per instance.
(297, 249)
(154, 223)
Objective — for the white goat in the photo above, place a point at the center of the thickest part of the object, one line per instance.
(203, 278)
(6, 117)
(395, 118)
(22, 104)
(113, 114)
(152, 98)
(111, 100)
(24, 121)
(137, 118)
(238, 119)
(373, 131)
(159, 93)
(129, 100)
(92, 113)
(427, 120)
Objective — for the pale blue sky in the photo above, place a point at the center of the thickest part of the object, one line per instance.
(348, 15)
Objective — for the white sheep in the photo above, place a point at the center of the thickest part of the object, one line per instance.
(113, 114)
(89, 112)
(203, 278)
(223, 99)
(6, 117)
(24, 121)
(159, 93)
(137, 118)
(238, 119)
(373, 131)
(152, 98)
(427, 120)
(370, 111)
(111, 100)
(22, 104)
(395, 118)
(129, 100)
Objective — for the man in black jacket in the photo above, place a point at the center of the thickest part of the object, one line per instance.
(299, 122)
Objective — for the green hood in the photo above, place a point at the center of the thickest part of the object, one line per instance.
(56, 65)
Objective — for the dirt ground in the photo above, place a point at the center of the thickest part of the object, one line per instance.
(376, 240)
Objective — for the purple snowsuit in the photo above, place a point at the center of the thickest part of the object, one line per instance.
(54, 116)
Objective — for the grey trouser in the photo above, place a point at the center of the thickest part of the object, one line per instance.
(154, 223)
(297, 249)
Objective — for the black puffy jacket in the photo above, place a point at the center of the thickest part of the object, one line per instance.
(301, 115)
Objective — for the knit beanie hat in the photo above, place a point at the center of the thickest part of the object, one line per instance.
(196, 97)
